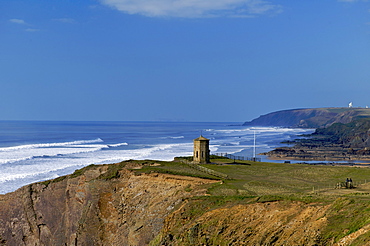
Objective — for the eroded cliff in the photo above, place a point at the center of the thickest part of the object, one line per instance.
(92, 210)
(270, 223)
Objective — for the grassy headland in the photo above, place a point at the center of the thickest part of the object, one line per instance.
(256, 204)
(261, 182)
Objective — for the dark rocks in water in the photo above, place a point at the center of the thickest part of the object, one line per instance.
(337, 142)
(355, 134)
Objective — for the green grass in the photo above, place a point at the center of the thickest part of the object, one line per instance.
(176, 168)
(251, 179)
(362, 111)
(362, 240)
(258, 178)
(113, 171)
(81, 171)
(261, 178)
(346, 216)
(47, 182)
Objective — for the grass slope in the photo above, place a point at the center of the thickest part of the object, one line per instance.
(259, 182)
(265, 182)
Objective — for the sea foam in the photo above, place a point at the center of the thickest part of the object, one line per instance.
(24, 164)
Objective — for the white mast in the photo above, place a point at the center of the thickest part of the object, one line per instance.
(254, 145)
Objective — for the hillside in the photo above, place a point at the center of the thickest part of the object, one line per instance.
(337, 142)
(170, 203)
(355, 134)
(309, 118)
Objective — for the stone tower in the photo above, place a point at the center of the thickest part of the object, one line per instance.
(201, 150)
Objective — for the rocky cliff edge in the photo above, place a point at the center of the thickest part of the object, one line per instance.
(88, 208)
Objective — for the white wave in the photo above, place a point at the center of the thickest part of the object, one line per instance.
(19, 155)
(48, 145)
(177, 137)
(29, 163)
(117, 145)
(29, 171)
(165, 152)
(37, 164)
(7, 161)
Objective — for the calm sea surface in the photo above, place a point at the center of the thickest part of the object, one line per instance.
(36, 151)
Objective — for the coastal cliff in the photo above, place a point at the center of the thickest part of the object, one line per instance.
(92, 208)
(309, 118)
(170, 203)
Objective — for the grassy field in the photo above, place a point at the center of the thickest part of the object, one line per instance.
(264, 182)
(361, 111)
(262, 178)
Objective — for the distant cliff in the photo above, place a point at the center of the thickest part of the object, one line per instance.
(309, 118)
(355, 134)
(336, 142)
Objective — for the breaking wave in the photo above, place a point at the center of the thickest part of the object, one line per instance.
(48, 145)
(22, 164)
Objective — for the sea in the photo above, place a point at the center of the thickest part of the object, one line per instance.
(33, 151)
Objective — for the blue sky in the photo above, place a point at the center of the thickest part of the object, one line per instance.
(181, 60)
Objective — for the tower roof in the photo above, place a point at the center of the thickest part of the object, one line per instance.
(201, 138)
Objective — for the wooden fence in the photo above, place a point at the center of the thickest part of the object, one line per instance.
(339, 185)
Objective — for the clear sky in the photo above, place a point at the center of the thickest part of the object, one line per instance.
(181, 60)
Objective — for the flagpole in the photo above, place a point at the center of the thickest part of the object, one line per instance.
(254, 145)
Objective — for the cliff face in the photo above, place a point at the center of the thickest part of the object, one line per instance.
(270, 223)
(309, 118)
(88, 210)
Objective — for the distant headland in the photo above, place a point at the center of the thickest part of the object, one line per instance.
(342, 134)
(310, 117)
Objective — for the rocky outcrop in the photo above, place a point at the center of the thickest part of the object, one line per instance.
(93, 209)
(337, 142)
(355, 134)
(309, 118)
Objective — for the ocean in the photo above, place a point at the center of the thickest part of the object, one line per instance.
(32, 151)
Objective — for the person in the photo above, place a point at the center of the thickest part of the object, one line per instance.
(350, 183)
(347, 183)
